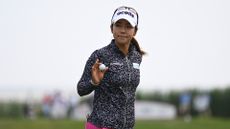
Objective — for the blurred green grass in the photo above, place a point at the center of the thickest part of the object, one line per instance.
(197, 123)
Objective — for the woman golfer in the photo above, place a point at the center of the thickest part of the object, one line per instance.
(113, 73)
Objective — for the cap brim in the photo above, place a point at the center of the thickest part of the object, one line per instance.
(128, 18)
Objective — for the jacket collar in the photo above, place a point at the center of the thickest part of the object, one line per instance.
(132, 48)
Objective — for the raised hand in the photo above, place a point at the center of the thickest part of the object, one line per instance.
(97, 74)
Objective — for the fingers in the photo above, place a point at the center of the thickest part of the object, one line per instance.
(97, 74)
(96, 64)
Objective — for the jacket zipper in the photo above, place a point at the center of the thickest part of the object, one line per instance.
(127, 61)
(124, 121)
(124, 115)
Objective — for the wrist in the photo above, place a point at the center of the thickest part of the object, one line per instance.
(93, 83)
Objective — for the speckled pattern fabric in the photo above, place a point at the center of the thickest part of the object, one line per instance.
(113, 104)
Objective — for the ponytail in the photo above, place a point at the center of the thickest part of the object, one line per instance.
(136, 44)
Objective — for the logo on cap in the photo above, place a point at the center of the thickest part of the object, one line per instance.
(126, 13)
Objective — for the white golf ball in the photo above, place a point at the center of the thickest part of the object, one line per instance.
(102, 67)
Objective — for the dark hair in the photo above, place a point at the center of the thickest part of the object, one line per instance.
(134, 41)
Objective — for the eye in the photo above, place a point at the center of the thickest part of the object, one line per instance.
(118, 25)
(123, 25)
(129, 26)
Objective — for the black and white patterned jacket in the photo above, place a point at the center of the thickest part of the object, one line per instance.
(113, 104)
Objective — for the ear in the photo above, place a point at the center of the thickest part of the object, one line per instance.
(135, 32)
(111, 28)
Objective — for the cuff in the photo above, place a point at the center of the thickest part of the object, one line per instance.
(95, 84)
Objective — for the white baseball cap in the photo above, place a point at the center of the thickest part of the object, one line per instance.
(126, 13)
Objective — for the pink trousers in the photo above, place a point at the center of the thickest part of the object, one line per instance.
(91, 126)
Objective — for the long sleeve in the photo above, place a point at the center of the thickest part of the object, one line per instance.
(84, 87)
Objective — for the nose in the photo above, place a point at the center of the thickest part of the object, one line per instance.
(123, 28)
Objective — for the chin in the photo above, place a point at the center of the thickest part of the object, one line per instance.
(122, 41)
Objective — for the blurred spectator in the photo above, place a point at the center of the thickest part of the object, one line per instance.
(72, 105)
(46, 105)
(28, 110)
(59, 107)
(185, 106)
(25, 110)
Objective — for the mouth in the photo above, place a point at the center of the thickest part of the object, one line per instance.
(121, 36)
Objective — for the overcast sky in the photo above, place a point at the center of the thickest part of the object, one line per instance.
(44, 44)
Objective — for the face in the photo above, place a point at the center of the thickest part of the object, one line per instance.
(123, 32)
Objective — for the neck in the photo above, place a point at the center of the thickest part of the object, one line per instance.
(124, 48)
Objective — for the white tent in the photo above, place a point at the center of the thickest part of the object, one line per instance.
(154, 110)
(143, 110)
